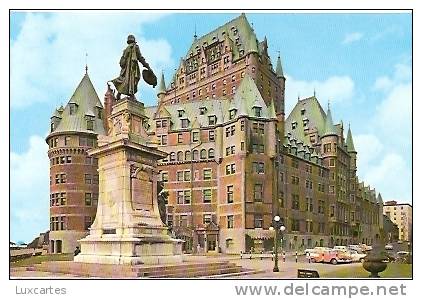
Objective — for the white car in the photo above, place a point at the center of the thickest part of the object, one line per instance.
(356, 256)
(388, 247)
(341, 248)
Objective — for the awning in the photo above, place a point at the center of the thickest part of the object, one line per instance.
(260, 233)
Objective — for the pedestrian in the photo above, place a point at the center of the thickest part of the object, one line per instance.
(308, 256)
(284, 256)
(198, 248)
(77, 251)
(241, 254)
(296, 256)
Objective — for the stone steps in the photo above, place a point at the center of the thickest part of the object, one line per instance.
(183, 270)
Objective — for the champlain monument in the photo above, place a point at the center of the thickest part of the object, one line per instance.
(127, 227)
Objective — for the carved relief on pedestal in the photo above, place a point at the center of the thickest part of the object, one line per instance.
(142, 188)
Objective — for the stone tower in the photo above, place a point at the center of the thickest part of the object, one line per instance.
(73, 174)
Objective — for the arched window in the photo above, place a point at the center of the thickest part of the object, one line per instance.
(172, 156)
(203, 154)
(211, 153)
(180, 156)
(187, 156)
(195, 155)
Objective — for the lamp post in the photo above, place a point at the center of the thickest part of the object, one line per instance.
(277, 226)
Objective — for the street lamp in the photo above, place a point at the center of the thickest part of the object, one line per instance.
(277, 226)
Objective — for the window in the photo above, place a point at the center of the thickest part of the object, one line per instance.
(62, 178)
(90, 124)
(230, 150)
(206, 195)
(242, 125)
(230, 221)
(185, 123)
(195, 155)
(95, 179)
(179, 176)
(258, 192)
(163, 139)
(67, 140)
(212, 120)
(187, 156)
(72, 108)
(68, 159)
(195, 136)
(180, 138)
(295, 202)
(332, 162)
(179, 197)
(309, 226)
(180, 156)
(232, 113)
(230, 194)
(331, 189)
(331, 211)
(180, 112)
(158, 124)
(257, 111)
(63, 198)
(258, 167)
(164, 176)
(258, 148)
(295, 163)
(230, 168)
(172, 156)
(186, 175)
(164, 123)
(295, 225)
(207, 218)
(207, 174)
(203, 154)
(88, 179)
(211, 135)
(183, 220)
(202, 110)
(258, 221)
(187, 196)
(88, 199)
(294, 125)
(169, 220)
(327, 148)
(309, 205)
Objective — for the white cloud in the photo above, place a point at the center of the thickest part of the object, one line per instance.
(369, 148)
(402, 74)
(391, 174)
(352, 37)
(333, 89)
(29, 179)
(48, 55)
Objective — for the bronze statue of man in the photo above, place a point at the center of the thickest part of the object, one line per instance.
(127, 82)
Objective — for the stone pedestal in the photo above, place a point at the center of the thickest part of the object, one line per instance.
(127, 228)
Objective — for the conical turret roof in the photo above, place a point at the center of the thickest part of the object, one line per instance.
(349, 142)
(329, 128)
(279, 68)
(162, 85)
(86, 101)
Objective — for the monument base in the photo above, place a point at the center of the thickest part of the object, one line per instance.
(149, 250)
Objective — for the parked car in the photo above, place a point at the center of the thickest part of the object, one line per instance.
(354, 247)
(333, 256)
(388, 247)
(365, 247)
(342, 248)
(357, 256)
(399, 242)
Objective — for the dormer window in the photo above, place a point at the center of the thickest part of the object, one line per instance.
(294, 125)
(232, 113)
(72, 108)
(202, 110)
(305, 122)
(185, 123)
(257, 111)
(212, 120)
(90, 124)
(302, 111)
(180, 112)
(100, 112)
(52, 127)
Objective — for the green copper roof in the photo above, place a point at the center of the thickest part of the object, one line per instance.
(246, 99)
(329, 128)
(162, 85)
(349, 141)
(379, 199)
(86, 102)
(238, 30)
(307, 113)
(253, 44)
(279, 68)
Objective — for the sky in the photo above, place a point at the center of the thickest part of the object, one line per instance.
(360, 63)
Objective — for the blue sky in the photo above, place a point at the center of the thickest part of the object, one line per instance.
(361, 63)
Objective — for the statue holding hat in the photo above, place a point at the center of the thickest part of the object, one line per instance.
(127, 82)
